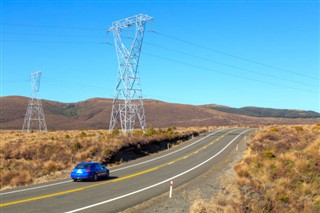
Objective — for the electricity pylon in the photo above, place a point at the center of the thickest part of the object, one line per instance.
(128, 102)
(34, 119)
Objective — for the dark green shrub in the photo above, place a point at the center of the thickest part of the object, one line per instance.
(77, 145)
(83, 134)
(150, 131)
(115, 132)
(284, 198)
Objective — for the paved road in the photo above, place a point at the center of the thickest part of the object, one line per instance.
(129, 184)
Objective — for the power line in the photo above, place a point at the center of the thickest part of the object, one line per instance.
(232, 55)
(53, 26)
(192, 65)
(227, 65)
(46, 34)
(173, 50)
(228, 74)
(174, 38)
(56, 42)
(75, 85)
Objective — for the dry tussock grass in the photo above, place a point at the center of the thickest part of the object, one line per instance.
(223, 202)
(280, 172)
(28, 158)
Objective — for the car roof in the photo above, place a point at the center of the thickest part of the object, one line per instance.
(88, 163)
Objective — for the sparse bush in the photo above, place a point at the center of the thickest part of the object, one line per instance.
(41, 154)
(198, 207)
(149, 131)
(269, 154)
(242, 170)
(51, 166)
(298, 128)
(160, 131)
(279, 173)
(317, 206)
(170, 130)
(137, 132)
(77, 145)
(115, 132)
(284, 198)
(7, 176)
(282, 170)
(274, 129)
(23, 178)
(83, 134)
(107, 152)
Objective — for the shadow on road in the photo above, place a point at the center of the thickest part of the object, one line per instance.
(99, 180)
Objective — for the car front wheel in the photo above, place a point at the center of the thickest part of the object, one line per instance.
(95, 177)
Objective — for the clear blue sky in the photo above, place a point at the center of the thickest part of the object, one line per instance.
(234, 53)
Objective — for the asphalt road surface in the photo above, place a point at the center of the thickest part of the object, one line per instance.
(129, 184)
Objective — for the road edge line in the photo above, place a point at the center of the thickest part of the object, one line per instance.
(157, 184)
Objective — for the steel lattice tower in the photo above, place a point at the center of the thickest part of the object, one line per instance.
(128, 102)
(34, 119)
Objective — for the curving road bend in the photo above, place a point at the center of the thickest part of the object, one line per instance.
(129, 184)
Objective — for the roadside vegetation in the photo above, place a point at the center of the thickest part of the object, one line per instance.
(280, 172)
(34, 157)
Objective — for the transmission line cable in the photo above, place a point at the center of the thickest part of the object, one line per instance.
(177, 39)
(232, 55)
(47, 34)
(228, 74)
(225, 73)
(53, 26)
(55, 42)
(169, 49)
(227, 65)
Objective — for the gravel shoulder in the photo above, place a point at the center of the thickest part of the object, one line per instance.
(202, 188)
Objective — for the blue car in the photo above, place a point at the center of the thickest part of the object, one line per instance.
(89, 171)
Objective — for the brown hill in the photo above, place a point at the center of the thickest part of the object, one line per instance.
(95, 114)
(266, 112)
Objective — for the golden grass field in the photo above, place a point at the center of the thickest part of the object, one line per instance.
(280, 172)
(28, 158)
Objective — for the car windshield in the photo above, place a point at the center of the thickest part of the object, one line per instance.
(82, 166)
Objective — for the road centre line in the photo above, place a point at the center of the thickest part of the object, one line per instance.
(153, 159)
(144, 162)
(157, 184)
(37, 187)
(77, 189)
(41, 197)
(103, 183)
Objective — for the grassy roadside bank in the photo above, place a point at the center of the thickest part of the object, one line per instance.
(28, 158)
(280, 172)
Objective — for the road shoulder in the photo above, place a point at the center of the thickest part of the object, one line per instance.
(202, 188)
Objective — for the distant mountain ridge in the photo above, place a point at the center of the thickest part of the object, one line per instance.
(95, 114)
(266, 112)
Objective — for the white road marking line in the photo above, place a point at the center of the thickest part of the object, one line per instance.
(37, 187)
(153, 159)
(49, 185)
(157, 184)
